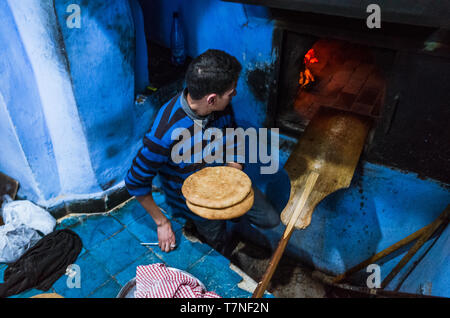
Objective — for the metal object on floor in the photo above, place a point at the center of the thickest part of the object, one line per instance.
(156, 244)
(323, 162)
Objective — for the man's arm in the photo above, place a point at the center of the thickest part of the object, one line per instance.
(166, 237)
(150, 158)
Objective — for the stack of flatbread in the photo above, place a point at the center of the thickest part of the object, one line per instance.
(218, 193)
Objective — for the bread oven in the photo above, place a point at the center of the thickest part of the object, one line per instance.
(398, 75)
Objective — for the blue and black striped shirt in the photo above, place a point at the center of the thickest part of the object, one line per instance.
(163, 146)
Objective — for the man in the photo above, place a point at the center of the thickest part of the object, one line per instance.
(211, 81)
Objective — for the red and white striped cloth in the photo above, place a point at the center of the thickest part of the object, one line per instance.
(158, 281)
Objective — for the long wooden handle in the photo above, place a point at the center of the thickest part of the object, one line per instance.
(443, 218)
(262, 285)
(381, 254)
(423, 232)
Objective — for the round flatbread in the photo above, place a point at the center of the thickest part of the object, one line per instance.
(47, 295)
(231, 212)
(216, 187)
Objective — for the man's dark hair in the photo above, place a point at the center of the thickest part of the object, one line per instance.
(213, 71)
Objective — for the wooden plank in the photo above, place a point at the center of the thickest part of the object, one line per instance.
(442, 219)
(331, 145)
(380, 255)
(323, 161)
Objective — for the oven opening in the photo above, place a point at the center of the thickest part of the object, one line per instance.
(328, 73)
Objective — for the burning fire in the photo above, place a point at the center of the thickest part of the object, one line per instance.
(310, 57)
(306, 76)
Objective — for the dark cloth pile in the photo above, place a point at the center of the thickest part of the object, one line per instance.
(43, 264)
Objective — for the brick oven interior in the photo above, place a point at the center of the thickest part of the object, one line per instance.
(343, 75)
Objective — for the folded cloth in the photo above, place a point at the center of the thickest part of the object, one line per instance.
(158, 281)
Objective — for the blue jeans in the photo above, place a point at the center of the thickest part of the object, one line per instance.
(262, 215)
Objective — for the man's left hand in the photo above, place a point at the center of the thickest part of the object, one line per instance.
(235, 165)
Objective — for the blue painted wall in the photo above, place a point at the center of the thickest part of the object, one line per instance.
(70, 124)
(240, 30)
(101, 57)
(26, 156)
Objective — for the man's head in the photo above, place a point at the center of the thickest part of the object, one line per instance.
(211, 79)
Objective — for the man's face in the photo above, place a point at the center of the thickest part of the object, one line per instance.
(225, 99)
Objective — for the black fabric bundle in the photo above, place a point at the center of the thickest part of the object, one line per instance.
(43, 264)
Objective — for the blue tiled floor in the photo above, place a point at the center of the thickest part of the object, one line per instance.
(112, 251)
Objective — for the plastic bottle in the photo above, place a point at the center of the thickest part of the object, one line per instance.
(177, 42)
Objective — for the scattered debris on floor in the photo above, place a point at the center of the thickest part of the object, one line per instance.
(112, 252)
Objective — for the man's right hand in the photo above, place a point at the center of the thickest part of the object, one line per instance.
(166, 237)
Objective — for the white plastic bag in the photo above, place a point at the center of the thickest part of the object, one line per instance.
(23, 221)
(15, 241)
(26, 213)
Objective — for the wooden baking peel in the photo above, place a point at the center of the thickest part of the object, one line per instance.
(323, 161)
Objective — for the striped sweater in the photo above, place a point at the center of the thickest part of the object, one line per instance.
(163, 146)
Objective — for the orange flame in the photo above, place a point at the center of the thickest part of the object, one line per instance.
(310, 57)
(306, 76)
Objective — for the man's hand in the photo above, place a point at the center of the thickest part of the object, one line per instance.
(235, 165)
(166, 237)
